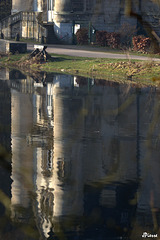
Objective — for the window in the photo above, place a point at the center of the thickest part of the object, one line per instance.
(50, 5)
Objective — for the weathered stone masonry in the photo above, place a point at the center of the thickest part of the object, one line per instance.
(50, 18)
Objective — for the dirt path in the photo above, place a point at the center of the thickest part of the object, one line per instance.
(83, 51)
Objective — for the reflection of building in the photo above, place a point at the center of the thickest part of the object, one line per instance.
(56, 183)
(84, 150)
(68, 130)
(5, 154)
(22, 153)
(148, 194)
(5, 118)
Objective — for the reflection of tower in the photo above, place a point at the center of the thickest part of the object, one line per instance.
(148, 210)
(148, 194)
(110, 122)
(110, 140)
(59, 179)
(127, 133)
(43, 156)
(5, 119)
(43, 184)
(68, 131)
(5, 149)
(22, 154)
(50, 102)
(39, 113)
(100, 133)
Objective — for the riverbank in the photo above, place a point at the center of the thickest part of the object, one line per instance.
(146, 72)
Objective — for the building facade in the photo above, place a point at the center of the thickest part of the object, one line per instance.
(62, 18)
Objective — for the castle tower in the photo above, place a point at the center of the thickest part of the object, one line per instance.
(62, 6)
(26, 5)
(62, 18)
(22, 5)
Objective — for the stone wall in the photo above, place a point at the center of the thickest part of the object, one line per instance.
(31, 28)
(108, 15)
(16, 29)
(22, 5)
(5, 27)
(151, 14)
(7, 46)
(24, 23)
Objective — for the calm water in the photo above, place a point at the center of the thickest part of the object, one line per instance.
(79, 158)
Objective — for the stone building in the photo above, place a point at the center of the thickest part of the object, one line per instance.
(58, 20)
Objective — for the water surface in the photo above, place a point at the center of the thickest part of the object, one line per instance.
(79, 158)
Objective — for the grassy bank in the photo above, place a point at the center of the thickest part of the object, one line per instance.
(146, 72)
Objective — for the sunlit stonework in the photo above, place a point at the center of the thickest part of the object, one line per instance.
(58, 20)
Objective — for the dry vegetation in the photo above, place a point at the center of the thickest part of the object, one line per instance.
(145, 71)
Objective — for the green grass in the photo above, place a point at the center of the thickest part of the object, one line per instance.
(146, 72)
(12, 58)
(103, 68)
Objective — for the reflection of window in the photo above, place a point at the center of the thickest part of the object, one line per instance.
(61, 170)
(50, 5)
(50, 100)
(49, 160)
(64, 170)
(46, 203)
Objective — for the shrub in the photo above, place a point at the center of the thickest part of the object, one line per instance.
(101, 38)
(104, 38)
(113, 39)
(82, 36)
(141, 43)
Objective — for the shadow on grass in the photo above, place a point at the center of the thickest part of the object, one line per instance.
(61, 59)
